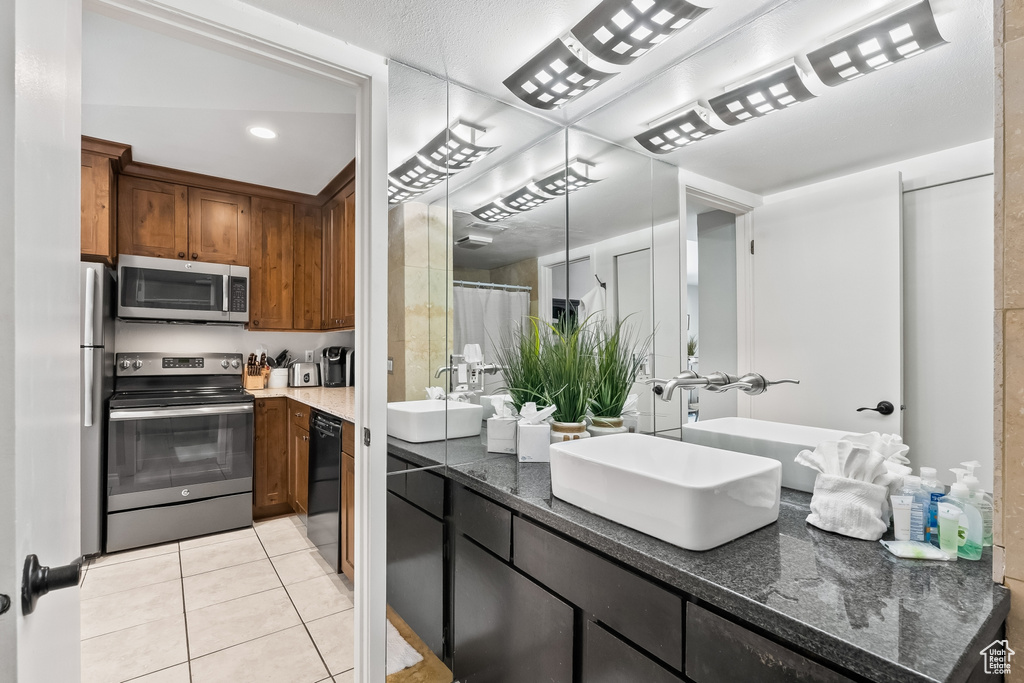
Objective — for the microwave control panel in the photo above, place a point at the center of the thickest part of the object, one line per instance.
(239, 295)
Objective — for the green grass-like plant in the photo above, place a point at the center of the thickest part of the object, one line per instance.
(691, 346)
(519, 356)
(569, 369)
(620, 357)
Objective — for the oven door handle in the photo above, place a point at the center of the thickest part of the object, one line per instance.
(163, 413)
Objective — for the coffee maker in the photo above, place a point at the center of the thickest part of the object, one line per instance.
(338, 366)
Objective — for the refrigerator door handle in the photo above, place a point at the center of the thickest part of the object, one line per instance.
(87, 380)
(90, 306)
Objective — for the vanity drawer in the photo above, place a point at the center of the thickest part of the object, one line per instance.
(299, 414)
(485, 522)
(396, 475)
(426, 490)
(719, 651)
(606, 659)
(642, 612)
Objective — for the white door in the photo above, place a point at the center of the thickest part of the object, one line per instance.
(39, 322)
(828, 303)
(633, 302)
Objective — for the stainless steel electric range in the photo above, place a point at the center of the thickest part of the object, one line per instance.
(179, 456)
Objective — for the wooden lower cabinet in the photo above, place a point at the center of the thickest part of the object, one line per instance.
(299, 465)
(348, 514)
(270, 458)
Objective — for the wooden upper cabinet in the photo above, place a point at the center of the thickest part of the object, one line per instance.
(99, 230)
(272, 271)
(339, 260)
(218, 227)
(152, 218)
(308, 272)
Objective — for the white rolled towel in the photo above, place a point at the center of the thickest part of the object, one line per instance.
(848, 507)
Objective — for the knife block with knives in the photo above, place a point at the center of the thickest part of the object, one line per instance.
(256, 372)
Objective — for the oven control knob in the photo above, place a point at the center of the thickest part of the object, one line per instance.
(137, 364)
(224, 363)
(235, 363)
(125, 364)
(185, 492)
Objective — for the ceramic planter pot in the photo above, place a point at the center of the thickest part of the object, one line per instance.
(568, 431)
(602, 426)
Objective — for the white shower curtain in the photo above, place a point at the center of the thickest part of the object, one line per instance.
(482, 316)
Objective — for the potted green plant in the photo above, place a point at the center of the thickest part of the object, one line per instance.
(620, 357)
(519, 357)
(691, 346)
(569, 371)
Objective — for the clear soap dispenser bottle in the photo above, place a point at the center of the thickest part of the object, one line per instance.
(935, 488)
(980, 499)
(969, 533)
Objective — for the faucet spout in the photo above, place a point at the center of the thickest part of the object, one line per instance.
(441, 370)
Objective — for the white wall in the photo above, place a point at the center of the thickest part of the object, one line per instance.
(717, 346)
(949, 356)
(142, 336)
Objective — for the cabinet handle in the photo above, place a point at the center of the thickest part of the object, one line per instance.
(194, 256)
(298, 414)
(255, 323)
(305, 438)
(181, 254)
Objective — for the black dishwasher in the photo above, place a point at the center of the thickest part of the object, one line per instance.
(323, 522)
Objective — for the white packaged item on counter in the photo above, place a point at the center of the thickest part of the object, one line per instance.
(501, 428)
(917, 550)
(533, 434)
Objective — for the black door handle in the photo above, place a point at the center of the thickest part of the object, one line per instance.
(5, 604)
(37, 581)
(883, 407)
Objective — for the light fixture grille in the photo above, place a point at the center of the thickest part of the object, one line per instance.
(398, 194)
(417, 174)
(493, 212)
(448, 150)
(554, 77)
(620, 31)
(897, 37)
(676, 133)
(526, 198)
(571, 178)
(765, 95)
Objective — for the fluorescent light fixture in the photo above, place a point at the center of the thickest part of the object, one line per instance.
(398, 194)
(473, 242)
(455, 147)
(418, 174)
(261, 132)
(620, 31)
(554, 77)
(526, 198)
(763, 95)
(574, 176)
(693, 125)
(882, 43)
(493, 212)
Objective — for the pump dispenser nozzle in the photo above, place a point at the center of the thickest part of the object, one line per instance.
(972, 467)
(959, 489)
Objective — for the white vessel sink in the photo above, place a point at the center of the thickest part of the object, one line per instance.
(421, 421)
(776, 440)
(692, 496)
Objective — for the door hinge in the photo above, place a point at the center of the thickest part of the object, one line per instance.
(751, 247)
(366, 436)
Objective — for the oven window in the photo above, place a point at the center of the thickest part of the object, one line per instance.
(170, 289)
(158, 453)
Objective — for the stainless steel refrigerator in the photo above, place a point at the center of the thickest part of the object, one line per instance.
(97, 292)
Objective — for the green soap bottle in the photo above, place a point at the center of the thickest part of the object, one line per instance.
(969, 533)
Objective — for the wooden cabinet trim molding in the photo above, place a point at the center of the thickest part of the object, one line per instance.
(117, 151)
(338, 183)
(207, 182)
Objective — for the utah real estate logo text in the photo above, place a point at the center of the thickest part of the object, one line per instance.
(997, 657)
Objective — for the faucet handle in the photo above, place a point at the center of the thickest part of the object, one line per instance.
(771, 383)
(742, 386)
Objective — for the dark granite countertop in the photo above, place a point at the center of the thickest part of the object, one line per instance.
(847, 601)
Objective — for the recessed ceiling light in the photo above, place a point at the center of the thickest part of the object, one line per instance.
(620, 31)
(764, 95)
(261, 132)
(882, 43)
(554, 77)
(693, 125)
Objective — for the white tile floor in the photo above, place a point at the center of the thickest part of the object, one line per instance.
(252, 605)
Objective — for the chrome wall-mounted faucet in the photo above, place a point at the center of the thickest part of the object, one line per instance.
(751, 383)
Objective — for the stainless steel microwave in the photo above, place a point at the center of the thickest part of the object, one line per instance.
(181, 291)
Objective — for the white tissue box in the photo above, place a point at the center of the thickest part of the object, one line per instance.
(501, 435)
(534, 442)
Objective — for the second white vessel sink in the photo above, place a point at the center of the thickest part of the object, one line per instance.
(433, 420)
(777, 440)
(691, 496)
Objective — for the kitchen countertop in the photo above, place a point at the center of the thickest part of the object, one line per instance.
(848, 601)
(338, 401)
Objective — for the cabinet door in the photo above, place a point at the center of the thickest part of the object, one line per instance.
(507, 628)
(606, 659)
(299, 462)
(98, 228)
(152, 218)
(271, 268)
(333, 262)
(270, 456)
(308, 276)
(348, 272)
(348, 514)
(415, 570)
(218, 227)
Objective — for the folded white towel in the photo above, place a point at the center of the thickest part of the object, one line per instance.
(891, 446)
(848, 507)
(400, 654)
